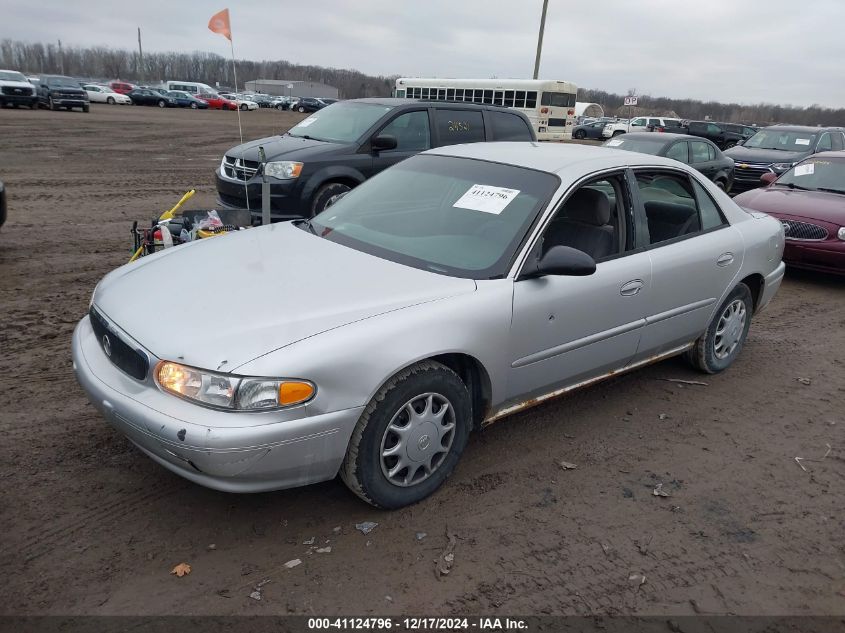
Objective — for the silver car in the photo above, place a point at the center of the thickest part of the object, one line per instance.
(460, 286)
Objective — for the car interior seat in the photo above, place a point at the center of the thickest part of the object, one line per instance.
(583, 223)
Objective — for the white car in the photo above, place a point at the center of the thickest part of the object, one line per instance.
(638, 124)
(16, 90)
(102, 94)
(243, 103)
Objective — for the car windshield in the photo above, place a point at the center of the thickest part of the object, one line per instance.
(62, 82)
(11, 75)
(817, 174)
(340, 122)
(782, 140)
(454, 216)
(644, 146)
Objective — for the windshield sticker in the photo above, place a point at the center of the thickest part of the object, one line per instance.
(802, 141)
(804, 170)
(307, 121)
(615, 142)
(486, 198)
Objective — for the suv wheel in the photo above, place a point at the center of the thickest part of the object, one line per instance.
(409, 437)
(326, 196)
(52, 104)
(86, 108)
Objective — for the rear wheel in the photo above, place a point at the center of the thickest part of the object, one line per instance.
(193, 106)
(720, 345)
(110, 100)
(326, 196)
(409, 437)
(243, 106)
(579, 134)
(301, 109)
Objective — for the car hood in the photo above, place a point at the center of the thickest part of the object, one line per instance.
(224, 301)
(16, 84)
(818, 205)
(742, 154)
(287, 146)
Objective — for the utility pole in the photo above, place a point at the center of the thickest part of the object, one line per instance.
(61, 59)
(140, 58)
(540, 39)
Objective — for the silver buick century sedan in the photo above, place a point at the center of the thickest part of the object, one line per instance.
(460, 286)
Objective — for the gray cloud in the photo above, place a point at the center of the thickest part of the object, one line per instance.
(779, 51)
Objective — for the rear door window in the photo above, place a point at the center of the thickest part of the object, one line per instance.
(679, 151)
(459, 126)
(699, 151)
(670, 205)
(508, 127)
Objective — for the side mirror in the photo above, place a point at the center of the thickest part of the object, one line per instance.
(768, 178)
(563, 260)
(383, 142)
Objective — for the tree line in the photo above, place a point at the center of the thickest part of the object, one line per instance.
(101, 63)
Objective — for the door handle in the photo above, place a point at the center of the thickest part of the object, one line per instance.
(631, 288)
(725, 259)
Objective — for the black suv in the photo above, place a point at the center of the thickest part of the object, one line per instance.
(308, 104)
(58, 91)
(719, 133)
(777, 148)
(340, 147)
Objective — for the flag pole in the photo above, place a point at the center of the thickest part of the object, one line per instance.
(235, 76)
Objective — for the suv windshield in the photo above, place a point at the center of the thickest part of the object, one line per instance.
(11, 75)
(782, 140)
(455, 216)
(340, 123)
(823, 174)
(62, 82)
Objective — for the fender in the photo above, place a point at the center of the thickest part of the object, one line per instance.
(328, 174)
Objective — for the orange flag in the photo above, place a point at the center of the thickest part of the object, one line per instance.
(219, 23)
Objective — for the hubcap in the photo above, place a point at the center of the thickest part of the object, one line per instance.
(417, 439)
(730, 329)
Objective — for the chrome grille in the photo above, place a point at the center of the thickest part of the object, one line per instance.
(239, 169)
(794, 230)
(750, 171)
(132, 361)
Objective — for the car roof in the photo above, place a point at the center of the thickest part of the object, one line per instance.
(807, 129)
(661, 136)
(552, 158)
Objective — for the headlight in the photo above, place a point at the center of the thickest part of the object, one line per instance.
(283, 169)
(783, 166)
(841, 233)
(231, 392)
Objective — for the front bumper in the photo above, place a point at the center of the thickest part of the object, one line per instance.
(27, 100)
(285, 197)
(70, 103)
(824, 256)
(228, 451)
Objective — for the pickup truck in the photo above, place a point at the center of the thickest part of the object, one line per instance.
(641, 124)
(719, 133)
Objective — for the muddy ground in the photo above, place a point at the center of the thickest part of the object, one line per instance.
(91, 526)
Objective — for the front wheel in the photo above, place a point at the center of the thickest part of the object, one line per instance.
(86, 108)
(729, 145)
(618, 132)
(193, 106)
(327, 195)
(409, 437)
(52, 104)
(300, 109)
(161, 103)
(243, 106)
(580, 135)
(720, 345)
(110, 100)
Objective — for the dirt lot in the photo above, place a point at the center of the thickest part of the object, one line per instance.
(91, 526)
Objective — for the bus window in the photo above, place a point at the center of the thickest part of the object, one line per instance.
(459, 94)
(400, 94)
(488, 96)
(558, 99)
(520, 99)
(498, 98)
(478, 96)
(531, 99)
(459, 126)
(441, 93)
(509, 98)
(450, 94)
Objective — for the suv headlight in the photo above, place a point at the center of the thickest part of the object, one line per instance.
(227, 391)
(783, 166)
(283, 169)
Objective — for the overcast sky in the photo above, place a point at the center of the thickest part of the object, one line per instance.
(777, 51)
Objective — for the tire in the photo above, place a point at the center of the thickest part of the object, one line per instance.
(193, 106)
(618, 132)
(86, 108)
(52, 104)
(326, 195)
(733, 318)
(110, 100)
(300, 109)
(279, 107)
(243, 106)
(580, 135)
(424, 388)
(729, 145)
(33, 106)
(161, 103)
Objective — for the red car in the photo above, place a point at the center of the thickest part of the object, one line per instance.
(809, 201)
(121, 87)
(216, 102)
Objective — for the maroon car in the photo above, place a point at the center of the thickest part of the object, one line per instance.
(809, 200)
